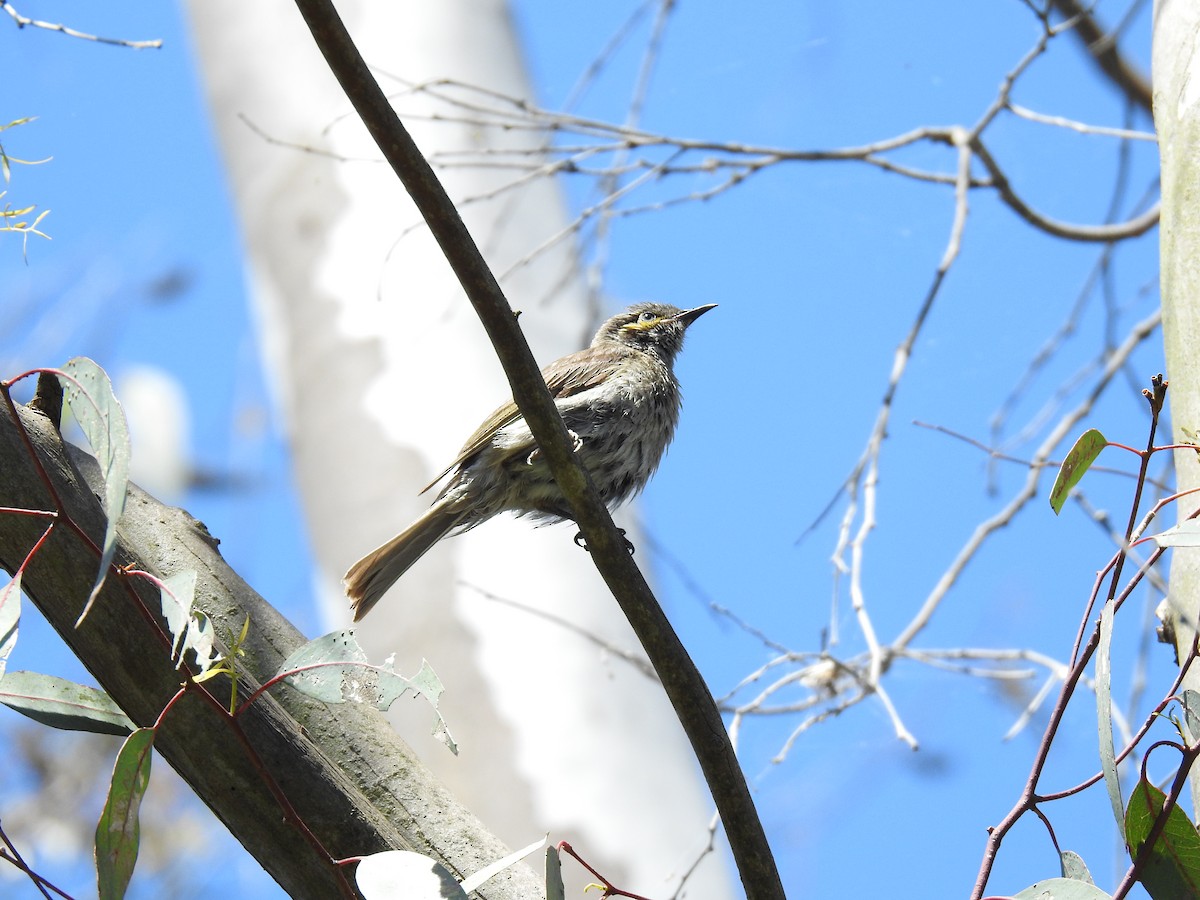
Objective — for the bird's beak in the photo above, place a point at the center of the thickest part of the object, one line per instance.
(688, 316)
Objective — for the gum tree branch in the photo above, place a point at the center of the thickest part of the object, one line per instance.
(349, 778)
(682, 681)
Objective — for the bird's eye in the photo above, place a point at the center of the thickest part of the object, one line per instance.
(647, 317)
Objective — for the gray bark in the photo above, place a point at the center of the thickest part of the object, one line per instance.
(1176, 79)
(352, 781)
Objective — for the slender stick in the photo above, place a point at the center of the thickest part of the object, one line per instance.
(683, 683)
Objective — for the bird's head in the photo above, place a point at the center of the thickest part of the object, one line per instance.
(654, 327)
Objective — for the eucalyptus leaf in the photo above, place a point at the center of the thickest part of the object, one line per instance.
(118, 833)
(1185, 534)
(1173, 867)
(1077, 462)
(10, 618)
(63, 704)
(401, 873)
(1191, 714)
(89, 394)
(334, 668)
(190, 630)
(1074, 867)
(331, 668)
(555, 889)
(1104, 730)
(472, 882)
(1061, 889)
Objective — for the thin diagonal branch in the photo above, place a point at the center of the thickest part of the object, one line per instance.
(684, 686)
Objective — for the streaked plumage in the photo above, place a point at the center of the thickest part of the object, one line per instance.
(620, 400)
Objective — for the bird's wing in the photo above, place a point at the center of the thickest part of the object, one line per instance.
(564, 377)
(505, 415)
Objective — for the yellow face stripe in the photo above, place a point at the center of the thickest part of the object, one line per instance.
(637, 325)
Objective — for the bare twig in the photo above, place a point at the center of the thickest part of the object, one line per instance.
(24, 21)
(1030, 489)
(635, 660)
(1124, 134)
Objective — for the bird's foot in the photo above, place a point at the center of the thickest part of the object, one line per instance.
(580, 542)
(536, 454)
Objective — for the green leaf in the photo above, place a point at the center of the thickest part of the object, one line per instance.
(428, 685)
(190, 630)
(10, 618)
(1191, 714)
(401, 873)
(177, 595)
(472, 882)
(1074, 867)
(1108, 761)
(339, 670)
(63, 704)
(1173, 867)
(1185, 534)
(555, 889)
(334, 668)
(89, 393)
(118, 833)
(1081, 457)
(1061, 889)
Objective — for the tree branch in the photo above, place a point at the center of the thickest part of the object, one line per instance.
(1102, 46)
(683, 683)
(354, 784)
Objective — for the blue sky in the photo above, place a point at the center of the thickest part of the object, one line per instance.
(818, 268)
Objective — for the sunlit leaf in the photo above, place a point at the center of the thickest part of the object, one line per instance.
(426, 683)
(555, 889)
(89, 393)
(1173, 867)
(10, 618)
(118, 833)
(471, 882)
(63, 704)
(331, 668)
(1191, 713)
(1074, 867)
(178, 594)
(1104, 730)
(189, 630)
(399, 873)
(1081, 457)
(1185, 534)
(334, 668)
(1061, 889)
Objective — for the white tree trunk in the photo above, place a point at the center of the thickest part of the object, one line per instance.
(1176, 78)
(381, 370)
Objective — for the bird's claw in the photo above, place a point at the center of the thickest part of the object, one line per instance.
(581, 542)
(536, 453)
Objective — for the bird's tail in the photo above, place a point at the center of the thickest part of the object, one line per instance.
(369, 578)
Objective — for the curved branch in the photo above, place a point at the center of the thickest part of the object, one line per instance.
(682, 681)
(1095, 233)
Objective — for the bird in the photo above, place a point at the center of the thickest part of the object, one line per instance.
(620, 401)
